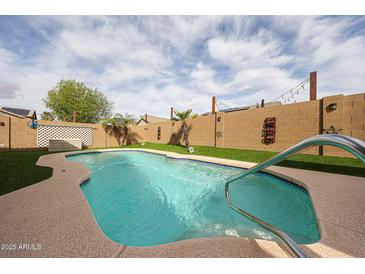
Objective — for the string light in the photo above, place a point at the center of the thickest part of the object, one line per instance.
(221, 106)
(288, 95)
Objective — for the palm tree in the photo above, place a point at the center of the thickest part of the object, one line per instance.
(118, 125)
(126, 121)
(183, 116)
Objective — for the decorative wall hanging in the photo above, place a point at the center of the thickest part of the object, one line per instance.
(268, 131)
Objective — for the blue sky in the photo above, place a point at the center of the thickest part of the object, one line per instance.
(150, 63)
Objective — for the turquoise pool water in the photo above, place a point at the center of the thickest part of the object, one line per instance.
(143, 199)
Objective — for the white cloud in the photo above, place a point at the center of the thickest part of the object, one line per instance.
(180, 32)
(8, 90)
(326, 46)
(269, 78)
(202, 80)
(247, 52)
(6, 57)
(158, 101)
(148, 64)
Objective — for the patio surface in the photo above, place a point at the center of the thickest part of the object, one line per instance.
(53, 219)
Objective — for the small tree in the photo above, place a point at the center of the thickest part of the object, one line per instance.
(68, 96)
(183, 116)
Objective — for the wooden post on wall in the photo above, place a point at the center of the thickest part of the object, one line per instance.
(213, 105)
(215, 129)
(74, 116)
(215, 120)
(9, 133)
(320, 148)
(106, 139)
(313, 85)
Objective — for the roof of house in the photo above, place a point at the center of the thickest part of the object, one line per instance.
(147, 119)
(20, 112)
(10, 113)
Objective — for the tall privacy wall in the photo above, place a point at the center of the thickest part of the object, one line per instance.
(239, 129)
(349, 117)
(16, 134)
(294, 122)
(24, 138)
(202, 131)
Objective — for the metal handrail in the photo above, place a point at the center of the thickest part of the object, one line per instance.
(350, 144)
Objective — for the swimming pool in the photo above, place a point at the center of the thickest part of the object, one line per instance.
(143, 199)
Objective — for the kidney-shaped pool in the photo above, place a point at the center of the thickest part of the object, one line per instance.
(143, 199)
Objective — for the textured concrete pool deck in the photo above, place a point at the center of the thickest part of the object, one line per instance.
(53, 219)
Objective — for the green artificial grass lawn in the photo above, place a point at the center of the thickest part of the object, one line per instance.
(339, 165)
(18, 170)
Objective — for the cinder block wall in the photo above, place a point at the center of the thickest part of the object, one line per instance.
(21, 137)
(103, 138)
(4, 131)
(241, 129)
(167, 129)
(99, 137)
(348, 118)
(294, 122)
(202, 131)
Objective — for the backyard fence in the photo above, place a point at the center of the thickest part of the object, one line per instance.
(238, 129)
(46, 132)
